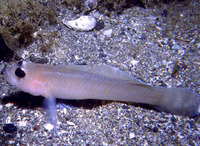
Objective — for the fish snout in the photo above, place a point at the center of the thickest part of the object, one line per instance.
(4, 70)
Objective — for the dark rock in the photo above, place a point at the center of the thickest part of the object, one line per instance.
(99, 25)
(155, 129)
(9, 128)
(173, 119)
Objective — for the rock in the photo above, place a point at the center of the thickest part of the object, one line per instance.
(10, 128)
(99, 25)
(84, 23)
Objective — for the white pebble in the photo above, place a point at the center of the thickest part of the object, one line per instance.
(22, 123)
(8, 119)
(84, 23)
(108, 33)
(11, 142)
(198, 45)
(134, 62)
(9, 104)
(176, 47)
(131, 135)
(48, 126)
(70, 123)
(76, 57)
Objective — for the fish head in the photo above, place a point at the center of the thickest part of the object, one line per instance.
(24, 78)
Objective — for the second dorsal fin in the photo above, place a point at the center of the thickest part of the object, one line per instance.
(103, 70)
(115, 73)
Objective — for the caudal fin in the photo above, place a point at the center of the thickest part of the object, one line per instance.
(180, 102)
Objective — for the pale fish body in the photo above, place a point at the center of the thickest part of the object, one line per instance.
(101, 82)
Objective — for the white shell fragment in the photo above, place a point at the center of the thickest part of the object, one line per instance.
(84, 23)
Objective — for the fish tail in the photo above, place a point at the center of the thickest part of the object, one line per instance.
(180, 102)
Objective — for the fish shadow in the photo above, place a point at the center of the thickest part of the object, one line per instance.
(25, 100)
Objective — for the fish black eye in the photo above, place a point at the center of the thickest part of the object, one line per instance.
(20, 63)
(19, 72)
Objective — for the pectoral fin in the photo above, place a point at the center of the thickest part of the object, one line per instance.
(51, 113)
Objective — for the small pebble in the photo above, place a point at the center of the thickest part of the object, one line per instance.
(134, 62)
(122, 31)
(108, 33)
(9, 104)
(102, 55)
(102, 10)
(36, 128)
(183, 65)
(164, 13)
(155, 129)
(198, 45)
(99, 25)
(125, 107)
(131, 135)
(176, 47)
(11, 142)
(22, 123)
(143, 36)
(163, 84)
(173, 119)
(48, 126)
(90, 4)
(192, 124)
(170, 43)
(70, 123)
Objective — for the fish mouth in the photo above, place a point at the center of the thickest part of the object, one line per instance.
(4, 70)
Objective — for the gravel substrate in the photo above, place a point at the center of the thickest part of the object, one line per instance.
(149, 44)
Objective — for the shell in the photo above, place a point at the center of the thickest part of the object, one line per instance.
(84, 23)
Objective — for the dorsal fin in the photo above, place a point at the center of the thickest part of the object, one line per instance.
(115, 73)
(63, 68)
(103, 70)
